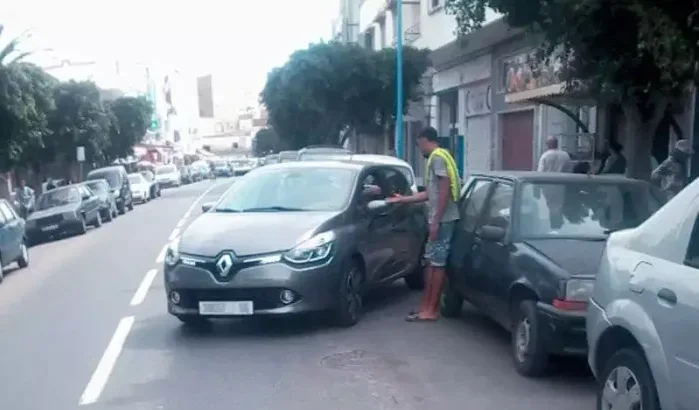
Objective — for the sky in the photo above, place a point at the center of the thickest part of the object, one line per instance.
(239, 40)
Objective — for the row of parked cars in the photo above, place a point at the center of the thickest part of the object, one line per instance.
(70, 209)
(570, 264)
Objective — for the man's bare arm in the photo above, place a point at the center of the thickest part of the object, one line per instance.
(419, 197)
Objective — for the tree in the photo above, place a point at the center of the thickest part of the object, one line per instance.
(638, 54)
(332, 86)
(79, 120)
(264, 141)
(129, 121)
(9, 53)
(26, 101)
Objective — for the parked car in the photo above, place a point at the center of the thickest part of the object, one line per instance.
(272, 159)
(526, 251)
(222, 168)
(119, 183)
(140, 188)
(108, 205)
(288, 156)
(168, 176)
(275, 244)
(242, 166)
(200, 171)
(61, 211)
(13, 239)
(322, 152)
(154, 185)
(644, 310)
(186, 174)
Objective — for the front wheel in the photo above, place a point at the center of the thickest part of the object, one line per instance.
(627, 379)
(23, 260)
(531, 359)
(350, 299)
(121, 208)
(130, 206)
(416, 279)
(98, 221)
(82, 229)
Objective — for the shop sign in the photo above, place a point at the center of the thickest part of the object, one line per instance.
(519, 73)
(478, 100)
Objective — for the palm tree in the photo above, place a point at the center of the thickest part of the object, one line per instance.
(12, 47)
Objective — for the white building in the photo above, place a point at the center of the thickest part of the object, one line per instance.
(345, 28)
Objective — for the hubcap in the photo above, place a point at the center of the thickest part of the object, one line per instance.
(522, 338)
(25, 254)
(621, 390)
(352, 297)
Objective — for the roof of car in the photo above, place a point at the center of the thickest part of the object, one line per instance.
(316, 164)
(533, 176)
(378, 159)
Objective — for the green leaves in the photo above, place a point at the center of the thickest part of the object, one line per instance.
(331, 86)
(265, 141)
(129, 121)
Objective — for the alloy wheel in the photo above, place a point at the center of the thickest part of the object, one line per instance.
(353, 298)
(621, 391)
(523, 339)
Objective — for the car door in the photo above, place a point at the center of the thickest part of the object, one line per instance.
(492, 272)
(90, 202)
(375, 228)
(408, 222)
(14, 232)
(462, 260)
(5, 241)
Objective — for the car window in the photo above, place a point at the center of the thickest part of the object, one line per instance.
(395, 182)
(112, 177)
(97, 186)
(58, 197)
(371, 188)
(499, 206)
(692, 256)
(7, 213)
(472, 202)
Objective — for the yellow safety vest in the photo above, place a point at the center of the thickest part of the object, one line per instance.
(452, 170)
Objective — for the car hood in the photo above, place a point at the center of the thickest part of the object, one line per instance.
(578, 257)
(248, 233)
(52, 211)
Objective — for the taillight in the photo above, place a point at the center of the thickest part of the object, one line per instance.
(569, 305)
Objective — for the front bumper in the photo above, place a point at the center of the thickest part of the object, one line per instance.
(316, 289)
(564, 330)
(65, 227)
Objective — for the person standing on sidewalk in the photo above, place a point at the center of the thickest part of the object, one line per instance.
(554, 159)
(442, 193)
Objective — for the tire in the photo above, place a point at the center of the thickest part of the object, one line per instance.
(83, 228)
(108, 216)
(98, 221)
(2, 273)
(416, 279)
(450, 303)
(23, 260)
(635, 363)
(349, 310)
(529, 354)
(121, 209)
(130, 206)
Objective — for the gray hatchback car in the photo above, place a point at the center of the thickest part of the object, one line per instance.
(296, 237)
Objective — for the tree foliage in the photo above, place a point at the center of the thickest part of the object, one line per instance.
(265, 141)
(332, 86)
(639, 54)
(129, 121)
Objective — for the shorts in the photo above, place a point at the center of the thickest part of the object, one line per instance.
(437, 251)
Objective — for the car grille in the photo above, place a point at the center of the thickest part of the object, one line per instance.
(50, 220)
(262, 298)
(210, 265)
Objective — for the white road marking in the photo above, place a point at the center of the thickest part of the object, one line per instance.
(142, 290)
(106, 364)
(175, 233)
(181, 222)
(161, 255)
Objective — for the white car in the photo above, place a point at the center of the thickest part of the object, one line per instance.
(168, 176)
(389, 160)
(140, 188)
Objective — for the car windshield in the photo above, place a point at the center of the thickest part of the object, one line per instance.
(97, 186)
(112, 177)
(583, 209)
(298, 189)
(58, 197)
(136, 179)
(165, 170)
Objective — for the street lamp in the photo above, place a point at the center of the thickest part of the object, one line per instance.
(399, 145)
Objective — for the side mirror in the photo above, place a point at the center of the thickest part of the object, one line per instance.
(207, 206)
(421, 188)
(376, 206)
(492, 233)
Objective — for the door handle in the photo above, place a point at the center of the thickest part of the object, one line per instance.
(668, 296)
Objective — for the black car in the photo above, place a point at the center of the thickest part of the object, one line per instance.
(13, 240)
(526, 250)
(108, 205)
(296, 238)
(118, 181)
(61, 211)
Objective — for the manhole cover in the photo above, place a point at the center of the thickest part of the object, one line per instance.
(358, 360)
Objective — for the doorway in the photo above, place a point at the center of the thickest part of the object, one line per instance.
(517, 140)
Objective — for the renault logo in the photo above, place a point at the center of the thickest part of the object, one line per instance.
(224, 264)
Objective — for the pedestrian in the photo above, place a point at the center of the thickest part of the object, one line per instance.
(50, 184)
(671, 175)
(441, 194)
(25, 198)
(554, 159)
(615, 163)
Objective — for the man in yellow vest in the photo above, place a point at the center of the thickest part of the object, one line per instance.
(441, 194)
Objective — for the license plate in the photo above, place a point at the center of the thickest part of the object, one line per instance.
(49, 228)
(242, 308)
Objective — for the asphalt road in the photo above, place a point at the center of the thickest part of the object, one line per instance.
(85, 326)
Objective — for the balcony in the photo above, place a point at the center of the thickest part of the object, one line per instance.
(411, 34)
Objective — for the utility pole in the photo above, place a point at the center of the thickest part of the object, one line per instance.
(399, 141)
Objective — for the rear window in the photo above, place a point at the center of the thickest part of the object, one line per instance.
(97, 186)
(112, 177)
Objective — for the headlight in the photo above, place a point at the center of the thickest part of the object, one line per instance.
(579, 290)
(172, 254)
(315, 249)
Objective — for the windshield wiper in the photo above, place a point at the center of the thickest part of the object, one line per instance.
(227, 210)
(273, 209)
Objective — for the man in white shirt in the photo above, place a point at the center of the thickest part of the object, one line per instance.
(554, 160)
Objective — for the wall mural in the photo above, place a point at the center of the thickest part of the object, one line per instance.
(521, 74)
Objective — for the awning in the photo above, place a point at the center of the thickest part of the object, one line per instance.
(549, 90)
